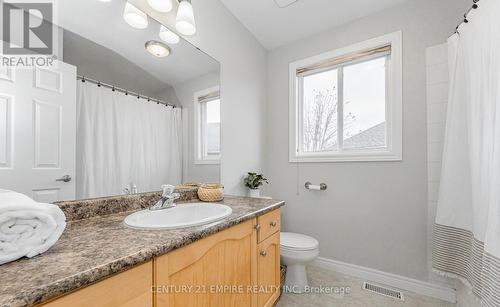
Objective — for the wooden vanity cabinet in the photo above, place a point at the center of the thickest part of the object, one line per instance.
(215, 271)
(131, 288)
(237, 267)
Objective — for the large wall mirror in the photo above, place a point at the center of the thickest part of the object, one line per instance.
(125, 110)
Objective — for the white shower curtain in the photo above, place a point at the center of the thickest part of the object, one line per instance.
(123, 140)
(467, 230)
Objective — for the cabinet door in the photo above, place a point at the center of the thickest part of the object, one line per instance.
(216, 271)
(128, 289)
(268, 276)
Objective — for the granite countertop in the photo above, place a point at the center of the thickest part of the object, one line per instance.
(91, 249)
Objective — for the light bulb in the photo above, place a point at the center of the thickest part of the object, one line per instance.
(163, 6)
(185, 23)
(168, 36)
(135, 17)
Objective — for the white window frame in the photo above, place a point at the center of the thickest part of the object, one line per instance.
(199, 157)
(394, 106)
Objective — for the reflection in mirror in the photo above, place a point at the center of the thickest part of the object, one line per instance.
(125, 111)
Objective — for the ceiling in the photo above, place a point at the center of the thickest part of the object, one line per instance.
(274, 26)
(90, 59)
(102, 23)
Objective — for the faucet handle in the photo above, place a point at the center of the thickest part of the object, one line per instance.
(167, 189)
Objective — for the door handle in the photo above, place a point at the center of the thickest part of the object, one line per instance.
(65, 178)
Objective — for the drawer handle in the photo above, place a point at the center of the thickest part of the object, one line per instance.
(257, 227)
(263, 253)
(273, 224)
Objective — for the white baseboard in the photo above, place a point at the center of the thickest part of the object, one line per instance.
(393, 280)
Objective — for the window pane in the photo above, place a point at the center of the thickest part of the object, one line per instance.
(364, 105)
(212, 131)
(213, 111)
(319, 112)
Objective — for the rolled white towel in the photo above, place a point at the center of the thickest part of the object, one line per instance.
(27, 228)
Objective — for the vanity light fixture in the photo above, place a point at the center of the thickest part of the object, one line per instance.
(158, 49)
(135, 17)
(163, 6)
(168, 36)
(184, 22)
(284, 3)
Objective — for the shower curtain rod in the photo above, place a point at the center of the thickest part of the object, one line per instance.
(474, 6)
(125, 91)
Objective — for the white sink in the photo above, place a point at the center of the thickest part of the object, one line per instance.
(184, 215)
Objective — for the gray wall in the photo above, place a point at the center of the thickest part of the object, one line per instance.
(185, 91)
(373, 214)
(243, 86)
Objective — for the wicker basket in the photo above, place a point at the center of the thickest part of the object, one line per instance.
(211, 192)
(188, 185)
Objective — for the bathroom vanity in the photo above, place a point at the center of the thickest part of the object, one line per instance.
(101, 262)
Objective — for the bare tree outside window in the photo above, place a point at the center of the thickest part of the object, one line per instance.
(320, 129)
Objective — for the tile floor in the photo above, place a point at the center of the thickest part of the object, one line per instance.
(357, 297)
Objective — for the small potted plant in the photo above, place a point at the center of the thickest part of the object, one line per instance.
(253, 181)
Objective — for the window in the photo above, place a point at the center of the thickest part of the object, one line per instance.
(207, 108)
(345, 105)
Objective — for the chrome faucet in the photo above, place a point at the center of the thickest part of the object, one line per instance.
(168, 198)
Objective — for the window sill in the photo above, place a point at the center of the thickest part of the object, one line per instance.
(371, 157)
(207, 162)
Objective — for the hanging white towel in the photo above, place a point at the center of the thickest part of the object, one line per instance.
(27, 228)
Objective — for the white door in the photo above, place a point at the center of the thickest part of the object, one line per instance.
(38, 131)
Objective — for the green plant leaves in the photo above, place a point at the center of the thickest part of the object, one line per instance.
(254, 180)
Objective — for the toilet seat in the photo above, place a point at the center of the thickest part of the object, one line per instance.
(297, 242)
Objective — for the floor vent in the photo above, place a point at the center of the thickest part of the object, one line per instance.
(382, 290)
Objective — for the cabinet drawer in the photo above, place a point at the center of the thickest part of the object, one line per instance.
(128, 289)
(269, 224)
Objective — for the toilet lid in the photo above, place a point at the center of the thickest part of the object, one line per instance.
(297, 241)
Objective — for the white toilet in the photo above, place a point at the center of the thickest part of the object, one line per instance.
(297, 250)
